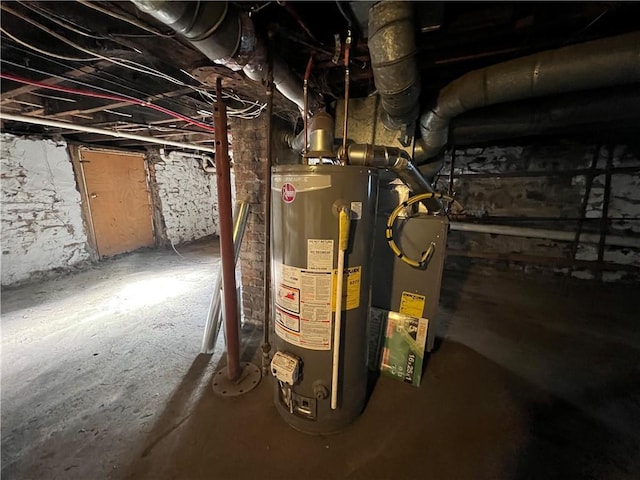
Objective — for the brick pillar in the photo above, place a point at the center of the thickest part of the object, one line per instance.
(249, 150)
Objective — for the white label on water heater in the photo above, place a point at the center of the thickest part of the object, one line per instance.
(319, 254)
(356, 210)
(309, 291)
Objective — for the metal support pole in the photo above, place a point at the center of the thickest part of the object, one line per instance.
(266, 346)
(226, 237)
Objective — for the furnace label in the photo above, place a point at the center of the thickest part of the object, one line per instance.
(319, 254)
(412, 304)
(350, 288)
(311, 328)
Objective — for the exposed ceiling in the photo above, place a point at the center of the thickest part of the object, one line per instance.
(102, 63)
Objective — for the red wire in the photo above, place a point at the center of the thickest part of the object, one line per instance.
(124, 98)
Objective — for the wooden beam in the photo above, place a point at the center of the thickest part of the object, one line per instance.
(6, 97)
(111, 106)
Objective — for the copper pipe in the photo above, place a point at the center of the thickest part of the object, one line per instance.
(347, 48)
(305, 90)
(223, 178)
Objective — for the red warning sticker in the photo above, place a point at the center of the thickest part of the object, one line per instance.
(288, 193)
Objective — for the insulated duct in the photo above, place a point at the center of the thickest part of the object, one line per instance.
(600, 63)
(593, 111)
(392, 47)
(227, 36)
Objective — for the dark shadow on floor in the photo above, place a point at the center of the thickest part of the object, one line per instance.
(177, 408)
(470, 419)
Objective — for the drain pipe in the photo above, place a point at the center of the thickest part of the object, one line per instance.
(586, 66)
(227, 36)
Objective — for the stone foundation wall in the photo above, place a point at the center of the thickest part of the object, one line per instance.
(42, 225)
(543, 186)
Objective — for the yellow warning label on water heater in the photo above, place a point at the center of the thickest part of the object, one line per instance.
(412, 304)
(350, 288)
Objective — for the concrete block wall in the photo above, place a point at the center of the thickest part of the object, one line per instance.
(42, 223)
(185, 195)
(499, 184)
(249, 149)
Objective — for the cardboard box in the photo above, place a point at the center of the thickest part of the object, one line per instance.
(397, 344)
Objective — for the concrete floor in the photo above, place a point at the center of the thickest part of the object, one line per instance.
(101, 378)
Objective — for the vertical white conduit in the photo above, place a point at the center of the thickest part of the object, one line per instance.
(337, 323)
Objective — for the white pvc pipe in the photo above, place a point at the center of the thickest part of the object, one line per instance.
(337, 327)
(101, 131)
(564, 236)
(343, 243)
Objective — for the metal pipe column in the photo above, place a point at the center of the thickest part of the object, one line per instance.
(266, 346)
(226, 237)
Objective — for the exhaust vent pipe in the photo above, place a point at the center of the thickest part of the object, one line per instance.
(398, 161)
(392, 47)
(227, 36)
(600, 63)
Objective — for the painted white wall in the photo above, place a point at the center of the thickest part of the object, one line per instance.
(42, 225)
(188, 197)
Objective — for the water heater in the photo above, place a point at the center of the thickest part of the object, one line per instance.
(323, 223)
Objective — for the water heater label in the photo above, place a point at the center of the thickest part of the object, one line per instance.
(288, 298)
(288, 321)
(308, 291)
(319, 254)
(356, 210)
(350, 289)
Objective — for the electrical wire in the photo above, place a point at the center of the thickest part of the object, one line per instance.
(44, 52)
(246, 113)
(117, 61)
(125, 18)
(428, 253)
(79, 82)
(116, 98)
(58, 20)
(344, 14)
(74, 27)
(208, 97)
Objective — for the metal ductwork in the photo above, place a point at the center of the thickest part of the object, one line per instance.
(593, 111)
(227, 36)
(392, 47)
(591, 65)
(396, 160)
